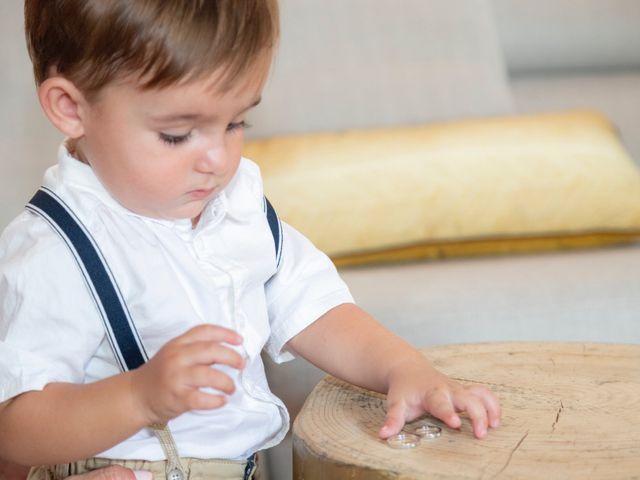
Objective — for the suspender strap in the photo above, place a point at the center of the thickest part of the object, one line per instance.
(121, 332)
(276, 228)
(120, 329)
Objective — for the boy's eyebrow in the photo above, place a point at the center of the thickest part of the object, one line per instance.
(197, 116)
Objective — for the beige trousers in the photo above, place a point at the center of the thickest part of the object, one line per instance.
(195, 469)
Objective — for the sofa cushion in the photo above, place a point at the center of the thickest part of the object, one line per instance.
(492, 186)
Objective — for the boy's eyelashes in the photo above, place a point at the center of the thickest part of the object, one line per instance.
(178, 139)
(174, 139)
(237, 125)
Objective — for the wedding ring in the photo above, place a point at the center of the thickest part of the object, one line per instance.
(428, 431)
(404, 440)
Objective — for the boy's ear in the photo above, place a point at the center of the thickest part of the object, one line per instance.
(63, 103)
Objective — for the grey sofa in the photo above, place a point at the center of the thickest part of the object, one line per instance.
(522, 56)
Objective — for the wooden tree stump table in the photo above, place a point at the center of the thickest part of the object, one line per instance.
(569, 410)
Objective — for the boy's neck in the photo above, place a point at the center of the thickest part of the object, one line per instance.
(72, 148)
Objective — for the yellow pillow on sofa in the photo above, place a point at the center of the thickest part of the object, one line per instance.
(462, 188)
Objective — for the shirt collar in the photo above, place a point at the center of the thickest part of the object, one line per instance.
(74, 174)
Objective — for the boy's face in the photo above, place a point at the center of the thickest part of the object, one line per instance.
(165, 153)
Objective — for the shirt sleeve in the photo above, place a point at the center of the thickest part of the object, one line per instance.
(305, 287)
(48, 324)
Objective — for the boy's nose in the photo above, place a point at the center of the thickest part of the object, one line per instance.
(214, 161)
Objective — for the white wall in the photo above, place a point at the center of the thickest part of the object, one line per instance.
(28, 143)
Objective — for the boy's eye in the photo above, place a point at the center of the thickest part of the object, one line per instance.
(174, 139)
(237, 126)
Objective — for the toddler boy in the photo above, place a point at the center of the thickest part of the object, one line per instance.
(152, 96)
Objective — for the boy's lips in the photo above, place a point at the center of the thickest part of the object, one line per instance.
(201, 193)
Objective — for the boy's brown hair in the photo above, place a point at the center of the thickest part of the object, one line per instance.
(162, 42)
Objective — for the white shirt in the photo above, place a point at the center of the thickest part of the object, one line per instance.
(172, 278)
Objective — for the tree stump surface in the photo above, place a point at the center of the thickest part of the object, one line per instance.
(569, 410)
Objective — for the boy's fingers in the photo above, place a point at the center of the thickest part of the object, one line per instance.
(440, 406)
(491, 404)
(205, 401)
(208, 353)
(476, 411)
(204, 376)
(212, 333)
(114, 472)
(143, 475)
(394, 420)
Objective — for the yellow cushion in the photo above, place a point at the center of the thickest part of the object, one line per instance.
(481, 186)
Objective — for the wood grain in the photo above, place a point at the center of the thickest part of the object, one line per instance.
(570, 410)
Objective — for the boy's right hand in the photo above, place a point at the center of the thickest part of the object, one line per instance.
(169, 383)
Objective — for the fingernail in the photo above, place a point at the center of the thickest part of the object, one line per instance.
(143, 475)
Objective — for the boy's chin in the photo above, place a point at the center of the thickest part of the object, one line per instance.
(192, 214)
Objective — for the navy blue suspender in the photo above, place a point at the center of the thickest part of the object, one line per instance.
(276, 228)
(119, 326)
(121, 331)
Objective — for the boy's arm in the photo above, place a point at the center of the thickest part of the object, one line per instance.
(66, 422)
(13, 471)
(349, 344)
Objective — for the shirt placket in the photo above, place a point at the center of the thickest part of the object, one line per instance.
(235, 313)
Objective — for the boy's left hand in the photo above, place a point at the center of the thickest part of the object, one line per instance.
(415, 388)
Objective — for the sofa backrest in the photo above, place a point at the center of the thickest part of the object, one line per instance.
(368, 63)
(566, 35)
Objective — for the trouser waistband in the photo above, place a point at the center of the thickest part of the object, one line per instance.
(194, 468)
